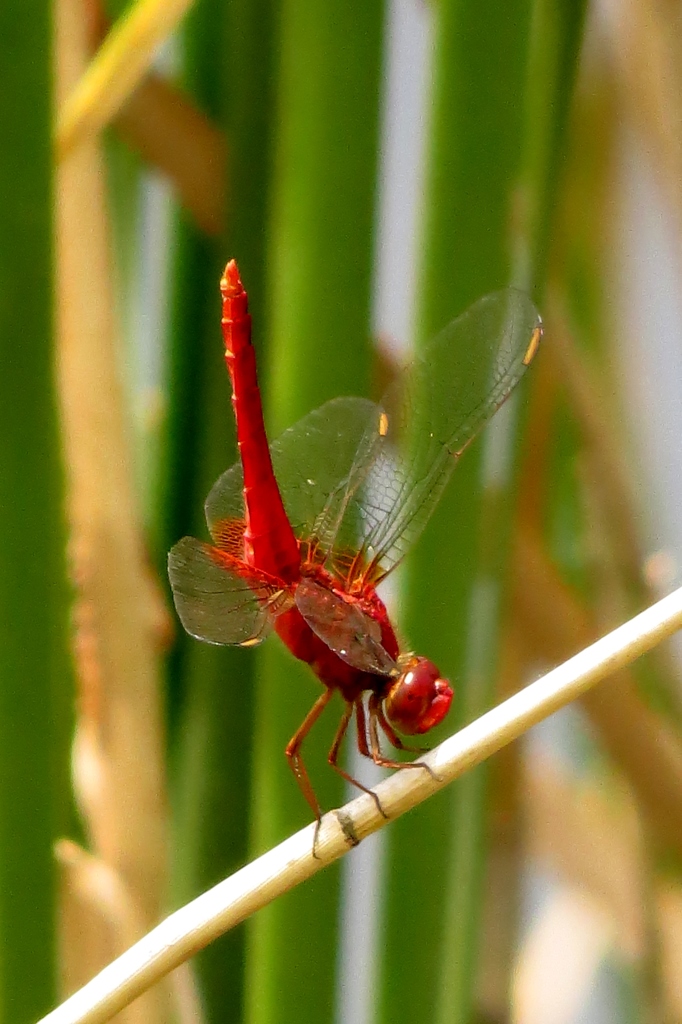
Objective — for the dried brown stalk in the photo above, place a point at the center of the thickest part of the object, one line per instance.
(641, 741)
(646, 38)
(609, 475)
(553, 622)
(119, 762)
(559, 959)
(172, 135)
(589, 834)
(502, 889)
(668, 898)
(594, 415)
(100, 919)
(105, 83)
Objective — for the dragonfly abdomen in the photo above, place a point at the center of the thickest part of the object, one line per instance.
(269, 540)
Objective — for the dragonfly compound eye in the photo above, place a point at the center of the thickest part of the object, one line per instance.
(419, 698)
(312, 579)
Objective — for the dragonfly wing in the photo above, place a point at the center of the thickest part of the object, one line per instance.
(224, 508)
(312, 462)
(430, 415)
(214, 601)
(356, 477)
(351, 634)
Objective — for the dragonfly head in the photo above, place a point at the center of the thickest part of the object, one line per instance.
(419, 698)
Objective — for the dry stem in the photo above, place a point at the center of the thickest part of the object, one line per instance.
(639, 739)
(172, 135)
(119, 752)
(227, 904)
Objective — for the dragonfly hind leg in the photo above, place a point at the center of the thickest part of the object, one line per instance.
(296, 763)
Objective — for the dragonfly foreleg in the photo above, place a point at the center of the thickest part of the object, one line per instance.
(377, 718)
(392, 735)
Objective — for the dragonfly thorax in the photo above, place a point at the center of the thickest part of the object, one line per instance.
(304, 529)
(419, 698)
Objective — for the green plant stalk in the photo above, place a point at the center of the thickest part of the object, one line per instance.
(209, 687)
(556, 36)
(474, 162)
(319, 313)
(228, 61)
(582, 531)
(506, 156)
(551, 70)
(35, 688)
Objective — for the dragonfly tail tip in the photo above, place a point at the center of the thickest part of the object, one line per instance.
(230, 283)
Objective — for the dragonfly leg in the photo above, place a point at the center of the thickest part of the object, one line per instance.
(375, 720)
(334, 753)
(293, 754)
(393, 737)
(361, 725)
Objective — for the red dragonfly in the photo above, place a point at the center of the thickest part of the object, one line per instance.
(304, 529)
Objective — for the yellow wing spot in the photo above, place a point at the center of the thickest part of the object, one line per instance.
(383, 425)
(533, 345)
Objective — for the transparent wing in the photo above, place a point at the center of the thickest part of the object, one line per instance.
(427, 418)
(312, 463)
(214, 601)
(351, 634)
(359, 481)
(224, 509)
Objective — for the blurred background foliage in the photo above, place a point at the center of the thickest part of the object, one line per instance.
(374, 168)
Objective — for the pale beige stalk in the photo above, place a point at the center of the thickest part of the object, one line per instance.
(227, 904)
(118, 758)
